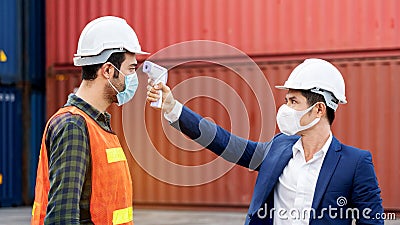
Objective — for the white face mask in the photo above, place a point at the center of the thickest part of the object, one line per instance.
(288, 120)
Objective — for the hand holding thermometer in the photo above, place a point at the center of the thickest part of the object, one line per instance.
(157, 74)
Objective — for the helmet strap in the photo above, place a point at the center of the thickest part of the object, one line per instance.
(330, 99)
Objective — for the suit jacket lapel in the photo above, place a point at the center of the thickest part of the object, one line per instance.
(328, 167)
(267, 180)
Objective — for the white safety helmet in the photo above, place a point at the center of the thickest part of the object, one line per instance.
(104, 36)
(318, 76)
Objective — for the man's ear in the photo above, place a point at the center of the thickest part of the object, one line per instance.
(107, 70)
(321, 109)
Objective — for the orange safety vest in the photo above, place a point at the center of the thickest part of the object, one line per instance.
(111, 198)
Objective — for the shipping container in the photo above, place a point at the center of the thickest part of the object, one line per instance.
(11, 41)
(369, 121)
(34, 43)
(256, 27)
(58, 86)
(22, 43)
(10, 146)
(35, 119)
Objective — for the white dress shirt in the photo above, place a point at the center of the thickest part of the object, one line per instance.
(294, 192)
(175, 113)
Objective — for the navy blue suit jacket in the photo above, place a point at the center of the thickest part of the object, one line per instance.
(346, 184)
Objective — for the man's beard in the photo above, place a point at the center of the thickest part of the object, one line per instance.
(109, 94)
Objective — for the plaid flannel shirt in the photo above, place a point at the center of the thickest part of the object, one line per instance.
(68, 147)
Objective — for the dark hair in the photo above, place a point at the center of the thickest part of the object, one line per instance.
(313, 98)
(90, 72)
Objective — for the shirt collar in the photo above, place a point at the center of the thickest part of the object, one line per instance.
(298, 146)
(87, 108)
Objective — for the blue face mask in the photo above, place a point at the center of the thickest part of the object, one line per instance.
(131, 84)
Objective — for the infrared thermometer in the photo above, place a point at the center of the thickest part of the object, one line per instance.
(157, 74)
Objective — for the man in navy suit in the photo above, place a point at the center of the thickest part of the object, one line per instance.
(305, 175)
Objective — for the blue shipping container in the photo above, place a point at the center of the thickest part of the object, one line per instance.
(34, 42)
(10, 146)
(10, 41)
(36, 128)
(22, 41)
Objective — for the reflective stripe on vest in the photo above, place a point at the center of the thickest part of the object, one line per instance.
(111, 195)
(35, 205)
(115, 155)
(121, 216)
